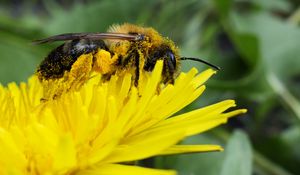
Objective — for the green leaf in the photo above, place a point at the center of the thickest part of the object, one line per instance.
(278, 41)
(18, 58)
(238, 155)
(223, 7)
(278, 47)
(96, 16)
(247, 44)
(282, 5)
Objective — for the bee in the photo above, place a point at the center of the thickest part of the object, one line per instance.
(124, 48)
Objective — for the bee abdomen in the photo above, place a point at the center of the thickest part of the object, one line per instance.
(54, 65)
(63, 57)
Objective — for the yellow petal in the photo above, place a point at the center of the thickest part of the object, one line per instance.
(203, 77)
(180, 149)
(147, 93)
(190, 127)
(11, 157)
(116, 169)
(205, 113)
(65, 154)
(141, 147)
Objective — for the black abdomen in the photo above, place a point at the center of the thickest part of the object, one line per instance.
(63, 57)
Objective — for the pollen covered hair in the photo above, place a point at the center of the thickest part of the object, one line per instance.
(153, 40)
(152, 46)
(152, 34)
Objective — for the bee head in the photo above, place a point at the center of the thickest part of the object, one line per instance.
(169, 54)
(154, 47)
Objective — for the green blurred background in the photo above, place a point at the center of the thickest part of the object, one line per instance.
(255, 42)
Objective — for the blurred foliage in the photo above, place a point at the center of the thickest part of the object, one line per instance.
(255, 42)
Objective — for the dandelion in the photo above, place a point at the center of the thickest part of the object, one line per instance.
(105, 126)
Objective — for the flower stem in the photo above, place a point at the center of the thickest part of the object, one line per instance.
(284, 94)
(267, 166)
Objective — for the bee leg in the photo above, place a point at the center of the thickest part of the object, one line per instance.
(42, 100)
(131, 64)
(104, 62)
(80, 71)
(139, 63)
(137, 70)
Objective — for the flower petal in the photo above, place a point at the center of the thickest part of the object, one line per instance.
(65, 154)
(141, 147)
(180, 149)
(116, 169)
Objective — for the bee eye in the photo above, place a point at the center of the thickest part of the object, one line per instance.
(172, 58)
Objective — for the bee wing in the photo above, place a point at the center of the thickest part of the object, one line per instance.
(91, 36)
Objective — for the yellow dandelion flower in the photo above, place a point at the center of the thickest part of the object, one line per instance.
(104, 126)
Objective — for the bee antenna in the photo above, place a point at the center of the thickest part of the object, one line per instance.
(201, 61)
